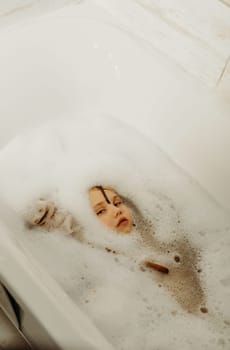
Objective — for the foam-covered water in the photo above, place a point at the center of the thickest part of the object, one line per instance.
(177, 225)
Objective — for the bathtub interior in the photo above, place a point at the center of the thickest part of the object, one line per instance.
(45, 316)
(93, 279)
(86, 107)
(80, 59)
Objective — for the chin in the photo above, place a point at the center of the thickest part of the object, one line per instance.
(127, 229)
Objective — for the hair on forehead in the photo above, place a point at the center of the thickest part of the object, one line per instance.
(102, 189)
(105, 187)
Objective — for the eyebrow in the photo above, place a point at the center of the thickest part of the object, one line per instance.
(103, 202)
(99, 204)
(116, 197)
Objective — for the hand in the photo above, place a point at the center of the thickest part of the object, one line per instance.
(41, 213)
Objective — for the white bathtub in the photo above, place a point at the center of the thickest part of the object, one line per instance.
(79, 60)
(46, 317)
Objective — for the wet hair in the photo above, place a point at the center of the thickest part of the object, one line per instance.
(102, 190)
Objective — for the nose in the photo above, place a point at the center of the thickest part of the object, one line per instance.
(116, 211)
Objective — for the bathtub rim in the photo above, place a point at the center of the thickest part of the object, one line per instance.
(63, 321)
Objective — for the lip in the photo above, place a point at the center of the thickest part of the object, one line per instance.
(122, 222)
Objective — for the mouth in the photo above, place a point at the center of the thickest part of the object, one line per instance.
(122, 222)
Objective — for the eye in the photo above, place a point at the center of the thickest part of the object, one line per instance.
(117, 203)
(101, 211)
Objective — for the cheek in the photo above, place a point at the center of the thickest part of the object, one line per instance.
(128, 213)
(131, 216)
(106, 219)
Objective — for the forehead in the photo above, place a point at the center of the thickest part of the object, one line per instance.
(97, 196)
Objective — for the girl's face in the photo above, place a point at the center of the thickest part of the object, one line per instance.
(110, 209)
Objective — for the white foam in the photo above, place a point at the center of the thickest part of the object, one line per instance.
(132, 308)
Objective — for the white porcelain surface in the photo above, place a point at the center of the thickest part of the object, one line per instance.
(82, 59)
(49, 318)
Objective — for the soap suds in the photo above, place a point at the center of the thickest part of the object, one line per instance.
(134, 307)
